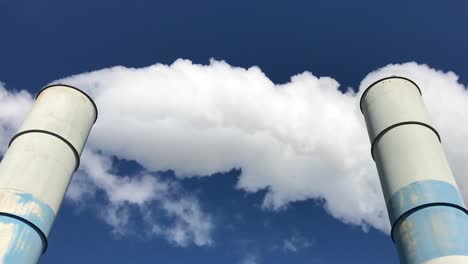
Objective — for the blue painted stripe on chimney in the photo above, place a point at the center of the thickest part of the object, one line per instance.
(430, 233)
(30, 211)
(28, 207)
(25, 245)
(422, 193)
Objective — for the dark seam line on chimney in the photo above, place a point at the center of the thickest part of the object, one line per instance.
(383, 79)
(33, 226)
(75, 152)
(72, 87)
(383, 132)
(417, 208)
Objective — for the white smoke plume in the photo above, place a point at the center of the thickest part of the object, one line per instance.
(305, 139)
(300, 140)
(14, 105)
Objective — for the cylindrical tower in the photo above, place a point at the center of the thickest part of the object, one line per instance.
(428, 217)
(37, 168)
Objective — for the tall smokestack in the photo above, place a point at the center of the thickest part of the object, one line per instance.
(428, 217)
(37, 168)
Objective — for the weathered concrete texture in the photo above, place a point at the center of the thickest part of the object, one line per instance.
(37, 168)
(428, 216)
(430, 233)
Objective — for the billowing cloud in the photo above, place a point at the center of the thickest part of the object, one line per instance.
(304, 139)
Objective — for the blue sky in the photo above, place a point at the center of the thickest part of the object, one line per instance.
(345, 40)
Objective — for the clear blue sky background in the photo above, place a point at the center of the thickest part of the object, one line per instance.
(41, 41)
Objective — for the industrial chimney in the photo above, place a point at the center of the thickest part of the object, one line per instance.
(427, 214)
(37, 168)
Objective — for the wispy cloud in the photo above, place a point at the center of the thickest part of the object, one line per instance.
(15, 106)
(181, 219)
(250, 259)
(296, 243)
